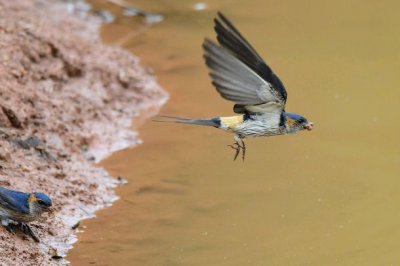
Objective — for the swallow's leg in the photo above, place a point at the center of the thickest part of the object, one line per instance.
(8, 225)
(28, 231)
(243, 149)
(237, 147)
(10, 228)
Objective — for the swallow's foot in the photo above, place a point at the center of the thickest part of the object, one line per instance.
(10, 228)
(243, 150)
(237, 147)
(28, 231)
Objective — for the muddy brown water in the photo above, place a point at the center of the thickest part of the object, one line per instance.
(326, 197)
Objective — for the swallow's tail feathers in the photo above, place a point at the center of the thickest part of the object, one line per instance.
(214, 122)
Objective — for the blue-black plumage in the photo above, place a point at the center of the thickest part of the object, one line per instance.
(22, 208)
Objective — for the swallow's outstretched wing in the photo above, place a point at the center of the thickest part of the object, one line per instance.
(239, 73)
(14, 200)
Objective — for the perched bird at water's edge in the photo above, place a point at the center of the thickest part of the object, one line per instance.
(22, 208)
(240, 75)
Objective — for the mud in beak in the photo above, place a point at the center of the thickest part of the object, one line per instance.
(309, 126)
(49, 210)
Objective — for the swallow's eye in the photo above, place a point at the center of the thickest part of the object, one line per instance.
(301, 121)
(41, 202)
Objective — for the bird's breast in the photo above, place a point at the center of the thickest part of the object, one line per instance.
(259, 126)
(22, 217)
(17, 216)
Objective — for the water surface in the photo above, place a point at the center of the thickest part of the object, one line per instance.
(326, 197)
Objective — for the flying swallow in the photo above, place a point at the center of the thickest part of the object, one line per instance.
(240, 75)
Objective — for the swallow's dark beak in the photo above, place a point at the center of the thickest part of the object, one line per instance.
(309, 126)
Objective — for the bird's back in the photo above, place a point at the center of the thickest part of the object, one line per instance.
(14, 201)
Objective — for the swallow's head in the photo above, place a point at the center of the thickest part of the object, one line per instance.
(39, 203)
(295, 123)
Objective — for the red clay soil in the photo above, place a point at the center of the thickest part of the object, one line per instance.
(66, 100)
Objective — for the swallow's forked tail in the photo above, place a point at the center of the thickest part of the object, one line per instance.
(214, 122)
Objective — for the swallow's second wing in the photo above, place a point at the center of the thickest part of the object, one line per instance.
(236, 82)
(231, 39)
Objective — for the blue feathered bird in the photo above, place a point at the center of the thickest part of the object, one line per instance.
(22, 208)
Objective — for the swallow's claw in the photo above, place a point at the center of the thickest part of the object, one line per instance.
(243, 150)
(237, 147)
(10, 228)
(28, 231)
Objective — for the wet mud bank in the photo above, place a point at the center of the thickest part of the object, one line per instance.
(67, 101)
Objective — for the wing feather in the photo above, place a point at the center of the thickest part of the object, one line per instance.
(14, 200)
(234, 80)
(230, 38)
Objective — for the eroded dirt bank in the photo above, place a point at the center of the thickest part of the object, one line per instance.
(66, 100)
